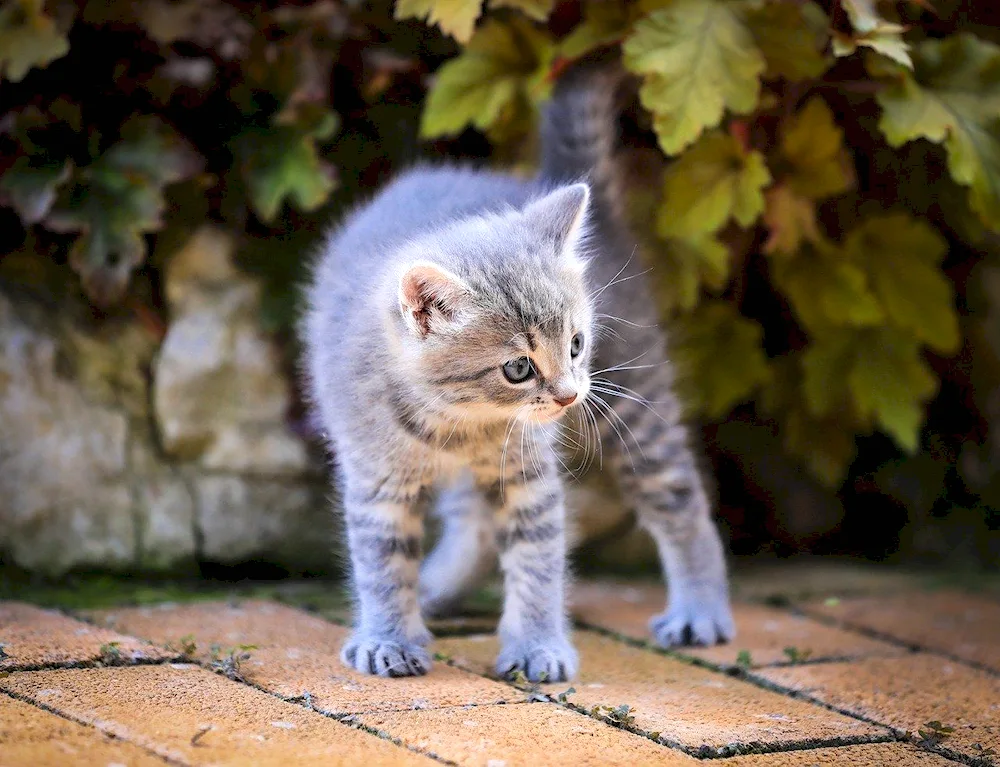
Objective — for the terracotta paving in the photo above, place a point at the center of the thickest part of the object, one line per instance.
(838, 671)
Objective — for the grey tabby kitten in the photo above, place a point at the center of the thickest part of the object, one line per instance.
(451, 323)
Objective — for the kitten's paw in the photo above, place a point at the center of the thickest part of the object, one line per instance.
(695, 622)
(385, 657)
(553, 660)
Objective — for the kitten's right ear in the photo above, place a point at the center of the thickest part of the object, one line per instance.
(429, 296)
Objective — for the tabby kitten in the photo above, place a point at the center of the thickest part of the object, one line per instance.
(450, 326)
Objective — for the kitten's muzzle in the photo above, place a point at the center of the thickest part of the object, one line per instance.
(565, 401)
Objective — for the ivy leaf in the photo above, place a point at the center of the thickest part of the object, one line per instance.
(813, 145)
(538, 10)
(791, 219)
(686, 265)
(30, 188)
(826, 289)
(952, 98)
(28, 38)
(502, 68)
(603, 23)
(699, 58)
(720, 353)
(903, 257)
(715, 180)
(455, 17)
(872, 31)
(891, 381)
(792, 37)
(116, 200)
(280, 161)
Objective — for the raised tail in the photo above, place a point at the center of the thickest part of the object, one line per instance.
(579, 130)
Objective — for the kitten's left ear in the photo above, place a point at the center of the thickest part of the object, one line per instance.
(430, 296)
(561, 213)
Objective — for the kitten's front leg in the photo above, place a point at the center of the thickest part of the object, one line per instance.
(385, 533)
(534, 636)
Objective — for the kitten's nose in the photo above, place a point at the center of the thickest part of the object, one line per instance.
(565, 401)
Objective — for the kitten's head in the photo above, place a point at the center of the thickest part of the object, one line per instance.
(498, 320)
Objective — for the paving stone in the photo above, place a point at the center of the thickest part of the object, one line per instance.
(762, 631)
(32, 637)
(685, 704)
(906, 693)
(162, 709)
(296, 653)
(867, 755)
(523, 734)
(32, 737)
(965, 626)
(808, 577)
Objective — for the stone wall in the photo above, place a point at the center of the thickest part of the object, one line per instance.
(122, 450)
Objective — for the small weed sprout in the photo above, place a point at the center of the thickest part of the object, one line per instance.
(227, 662)
(563, 697)
(534, 690)
(795, 655)
(934, 733)
(442, 657)
(186, 647)
(621, 716)
(744, 659)
(111, 653)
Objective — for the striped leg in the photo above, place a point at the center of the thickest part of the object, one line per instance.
(466, 553)
(384, 532)
(534, 636)
(660, 478)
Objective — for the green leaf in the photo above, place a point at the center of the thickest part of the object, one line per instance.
(503, 66)
(891, 381)
(903, 257)
(872, 31)
(603, 23)
(792, 37)
(952, 98)
(280, 162)
(713, 181)
(826, 289)
(455, 17)
(699, 58)
(116, 200)
(31, 188)
(538, 10)
(687, 265)
(28, 38)
(813, 145)
(719, 352)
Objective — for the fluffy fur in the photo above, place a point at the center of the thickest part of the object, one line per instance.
(417, 303)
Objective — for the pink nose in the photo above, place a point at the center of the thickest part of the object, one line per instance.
(564, 401)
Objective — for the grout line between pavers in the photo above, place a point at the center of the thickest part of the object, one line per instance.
(828, 620)
(91, 726)
(896, 734)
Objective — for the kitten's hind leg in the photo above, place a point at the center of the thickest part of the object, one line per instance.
(660, 479)
(466, 553)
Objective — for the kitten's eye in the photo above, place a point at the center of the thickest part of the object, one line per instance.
(519, 370)
(576, 345)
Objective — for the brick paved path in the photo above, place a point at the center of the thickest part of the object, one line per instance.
(854, 674)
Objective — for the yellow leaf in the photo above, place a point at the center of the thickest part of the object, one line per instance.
(538, 10)
(28, 38)
(699, 58)
(603, 23)
(455, 17)
(872, 31)
(713, 181)
(791, 220)
(792, 37)
(813, 144)
(686, 266)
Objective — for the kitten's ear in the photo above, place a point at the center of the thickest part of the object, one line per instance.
(430, 295)
(561, 213)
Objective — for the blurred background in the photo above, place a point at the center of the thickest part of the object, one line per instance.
(815, 186)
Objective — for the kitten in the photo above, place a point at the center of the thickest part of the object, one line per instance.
(450, 324)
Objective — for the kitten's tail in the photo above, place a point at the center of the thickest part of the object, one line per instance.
(579, 131)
